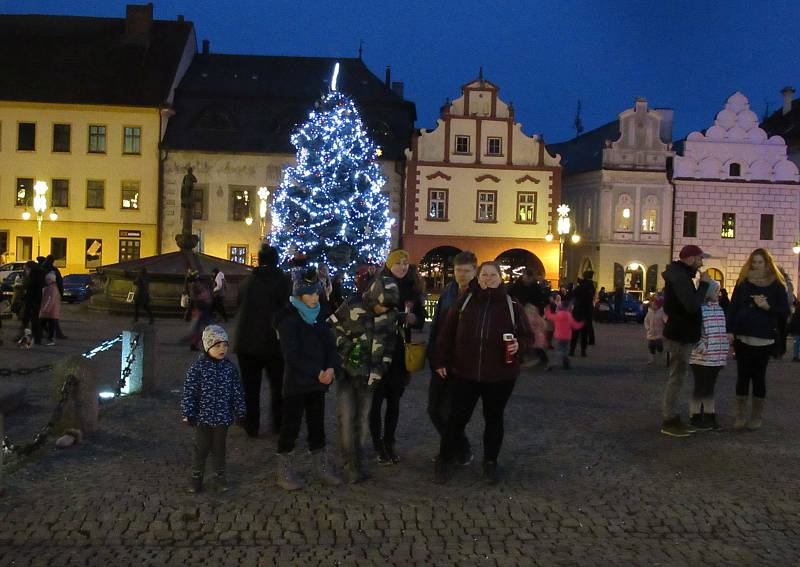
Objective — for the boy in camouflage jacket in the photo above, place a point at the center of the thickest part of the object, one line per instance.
(365, 334)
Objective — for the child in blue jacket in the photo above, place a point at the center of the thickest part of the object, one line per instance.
(212, 401)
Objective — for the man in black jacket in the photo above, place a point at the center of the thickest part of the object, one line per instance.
(582, 298)
(682, 330)
(262, 295)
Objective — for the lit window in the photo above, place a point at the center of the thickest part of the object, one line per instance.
(650, 216)
(728, 225)
(24, 197)
(130, 194)
(237, 254)
(240, 203)
(623, 213)
(486, 206)
(437, 204)
(526, 207)
(129, 249)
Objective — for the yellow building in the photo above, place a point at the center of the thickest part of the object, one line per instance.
(84, 112)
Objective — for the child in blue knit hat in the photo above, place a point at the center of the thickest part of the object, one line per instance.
(212, 401)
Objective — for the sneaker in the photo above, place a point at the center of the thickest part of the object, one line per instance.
(50, 343)
(674, 428)
(383, 457)
(698, 422)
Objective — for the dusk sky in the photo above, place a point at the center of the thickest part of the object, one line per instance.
(687, 55)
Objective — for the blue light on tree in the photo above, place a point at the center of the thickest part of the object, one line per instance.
(329, 207)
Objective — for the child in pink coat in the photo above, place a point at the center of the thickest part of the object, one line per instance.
(50, 312)
(563, 325)
(539, 340)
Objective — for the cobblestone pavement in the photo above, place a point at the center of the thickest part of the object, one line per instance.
(586, 479)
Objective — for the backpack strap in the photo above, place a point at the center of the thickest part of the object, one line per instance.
(464, 303)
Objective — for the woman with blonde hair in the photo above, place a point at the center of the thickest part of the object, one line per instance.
(759, 301)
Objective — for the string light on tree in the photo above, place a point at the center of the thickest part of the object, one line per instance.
(329, 208)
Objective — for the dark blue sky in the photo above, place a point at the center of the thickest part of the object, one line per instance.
(689, 55)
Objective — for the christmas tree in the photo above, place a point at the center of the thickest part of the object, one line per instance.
(329, 209)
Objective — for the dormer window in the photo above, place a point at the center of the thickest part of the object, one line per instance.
(494, 146)
(735, 170)
(462, 144)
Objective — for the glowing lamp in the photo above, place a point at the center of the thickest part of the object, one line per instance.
(548, 237)
(633, 266)
(575, 238)
(796, 248)
(54, 215)
(40, 197)
(626, 213)
(26, 215)
(249, 220)
(106, 395)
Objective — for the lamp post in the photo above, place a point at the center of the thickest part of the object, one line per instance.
(263, 196)
(563, 228)
(39, 207)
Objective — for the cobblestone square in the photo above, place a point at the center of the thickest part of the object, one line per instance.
(586, 477)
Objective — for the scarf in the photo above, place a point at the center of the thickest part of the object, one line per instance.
(308, 314)
(760, 278)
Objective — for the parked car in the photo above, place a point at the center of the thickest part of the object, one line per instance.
(77, 287)
(7, 282)
(6, 269)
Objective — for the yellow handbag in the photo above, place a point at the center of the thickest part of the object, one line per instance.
(415, 356)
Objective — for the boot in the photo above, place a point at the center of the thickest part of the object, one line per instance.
(755, 416)
(353, 470)
(196, 485)
(490, 472)
(441, 473)
(389, 449)
(286, 477)
(221, 482)
(322, 470)
(741, 409)
(383, 457)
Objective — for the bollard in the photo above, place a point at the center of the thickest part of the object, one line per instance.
(144, 366)
(11, 397)
(82, 406)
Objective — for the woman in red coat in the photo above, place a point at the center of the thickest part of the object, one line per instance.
(472, 352)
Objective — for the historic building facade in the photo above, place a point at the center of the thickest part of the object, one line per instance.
(234, 115)
(621, 199)
(735, 190)
(83, 111)
(478, 182)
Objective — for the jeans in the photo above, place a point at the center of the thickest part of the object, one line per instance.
(440, 408)
(209, 439)
(354, 400)
(563, 348)
(390, 388)
(751, 365)
(466, 394)
(676, 372)
(313, 404)
(252, 367)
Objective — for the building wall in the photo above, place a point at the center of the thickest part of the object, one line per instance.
(218, 175)
(75, 222)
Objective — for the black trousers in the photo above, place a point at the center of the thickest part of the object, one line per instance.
(313, 405)
(705, 378)
(209, 439)
(218, 305)
(144, 306)
(252, 367)
(49, 326)
(751, 366)
(466, 394)
(30, 316)
(584, 334)
(440, 408)
(390, 389)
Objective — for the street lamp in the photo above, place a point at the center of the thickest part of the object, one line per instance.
(563, 228)
(263, 196)
(39, 207)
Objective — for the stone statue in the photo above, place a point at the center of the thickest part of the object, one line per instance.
(186, 240)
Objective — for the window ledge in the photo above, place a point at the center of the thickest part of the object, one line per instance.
(463, 153)
(436, 220)
(525, 222)
(486, 221)
(494, 155)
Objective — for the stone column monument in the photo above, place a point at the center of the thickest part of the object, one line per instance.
(186, 240)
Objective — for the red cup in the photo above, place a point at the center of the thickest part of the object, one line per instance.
(508, 338)
(409, 306)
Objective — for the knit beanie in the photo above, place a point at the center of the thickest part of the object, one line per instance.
(305, 282)
(395, 256)
(713, 288)
(212, 335)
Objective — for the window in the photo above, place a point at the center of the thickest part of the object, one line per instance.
(624, 213)
(26, 137)
(238, 254)
(24, 248)
(3, 244)
(462, 144)
(97, 139)
(650, 216)
(717, 276)
(198, 203)
(486, 206)
(728, 225)
(94, 252)
(131, 140)
(767, 226)
(526, 207)
(437, 204)
(735, 170)
(24, 196)
(494, 146)
(240, 204)
(130, 194)
(95, 194)
(129, 249)
(690, 224)
(58, 248)
(60, 193)
(62, 134)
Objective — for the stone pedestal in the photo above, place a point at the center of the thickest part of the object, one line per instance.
(143, 375)
(82, 406)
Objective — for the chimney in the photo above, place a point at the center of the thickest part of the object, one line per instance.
(206, 47)
(138, 23)
(388, 77)
(397, 88)
(788, 93)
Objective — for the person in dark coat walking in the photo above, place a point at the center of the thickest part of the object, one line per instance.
(794, 330)
(758, 303)
(33, 283)
(473, 350)
(50, 266)
(262, 295)
(582, 298)
(682, 330)
(310, 360)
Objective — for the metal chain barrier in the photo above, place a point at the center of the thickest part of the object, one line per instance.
(25, 371)
(21, 450)
(102, 347)
(126, 371)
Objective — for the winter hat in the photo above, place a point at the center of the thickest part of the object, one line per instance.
(691, 250)
(713, 288)
(305, 282)
(395, 256)
(212, 335)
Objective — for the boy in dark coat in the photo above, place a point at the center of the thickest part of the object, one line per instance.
(310, 359)
(212, 401)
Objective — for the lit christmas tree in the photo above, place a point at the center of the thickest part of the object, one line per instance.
(329, 208)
